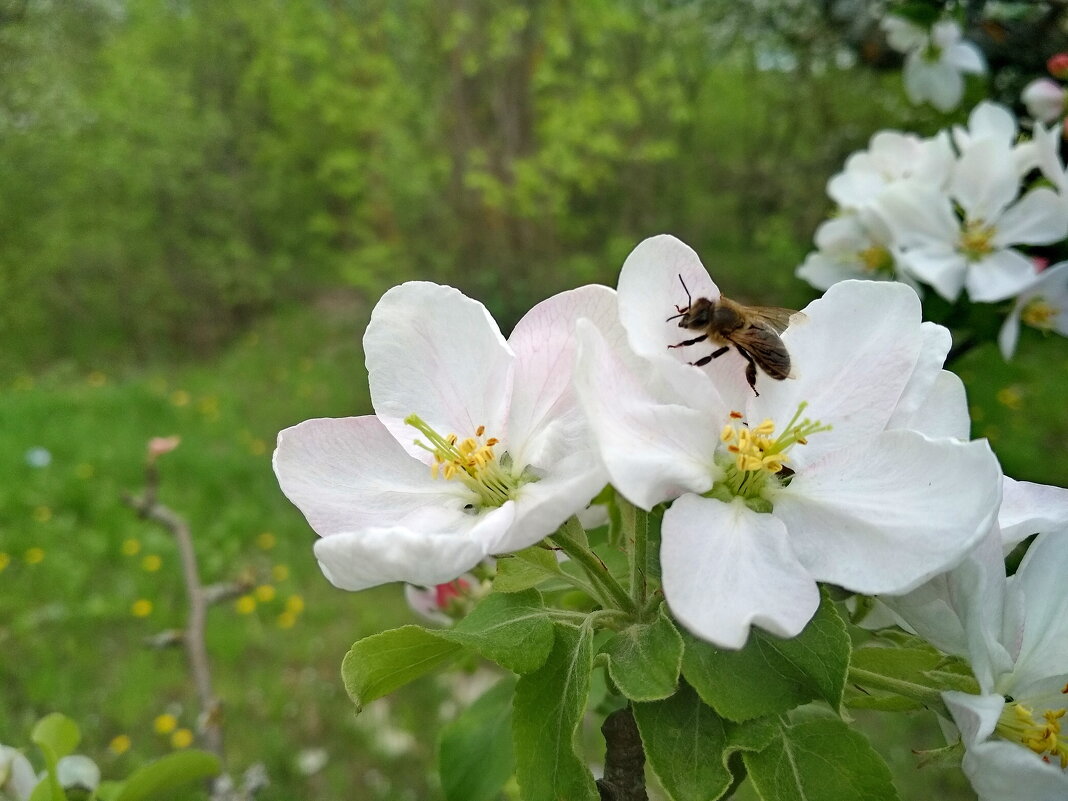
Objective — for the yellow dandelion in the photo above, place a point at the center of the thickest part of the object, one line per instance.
(131, 547)
(151, 563)
(120, 744)
(42, 514)
(34, 556)
(287, 620)
(142, 607)
(180, 397)
(280, 572)
(84, 471)
(265, 593)
(245, 605)
(295, 604)
(165, 723)
(183, 738)
(96, 379)
(266, 540)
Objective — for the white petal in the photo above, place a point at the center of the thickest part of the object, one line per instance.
(653, 451)
(1009, 334)
(935, 82)
(985, 180)
(20, 778)
(1044, 99)
(1028, 508)
(975, 715)
(991, 121)
(853, 189)
(890, 512)
(918, 215)
(356, 560)
(823, 271)
(544, 414)
(726, 567)
(966, 57)
(1039, 218)
(852, 357)
(434, 352)
(903, 35)
(936, 341)
(943, 413)
(1043, 579)
(945, 33)
(1000, 275)
(349, 473)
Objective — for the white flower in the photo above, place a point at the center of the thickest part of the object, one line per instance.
(891, 157)
(852, 246)
(935, 62)
(870, 499)
(1044, 100)
(477, 446)
(78, 771)
(1042, 305)
(17, 779)
(995, 123)
(977, 253)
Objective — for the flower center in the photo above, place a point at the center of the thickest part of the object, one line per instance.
(1039, 732)
(755, 456)
(472, 462)
(876, 259)
(976, 240)
(1039, 314)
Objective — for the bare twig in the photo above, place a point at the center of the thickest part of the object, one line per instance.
(624, 762)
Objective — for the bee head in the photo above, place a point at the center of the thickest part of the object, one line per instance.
(698, 315)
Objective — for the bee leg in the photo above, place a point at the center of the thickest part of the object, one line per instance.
(750, 369)
(693, 341)
(713, 355)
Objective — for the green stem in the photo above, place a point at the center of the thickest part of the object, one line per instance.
(931, 699)
(569, 538)
(636, 537)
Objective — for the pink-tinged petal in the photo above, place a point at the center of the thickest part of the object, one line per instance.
(1041, 578)
(356, 560)
(1009, 334)
(890, 512)
(935, 343)
(349, 473)
(943, 412)
(1040, 218)
(852, 358)
(726, 568)
(1028, 508)
(918, 215)
(653, 451)
(1044, 99)
(1000, 275)
(543, 405)
(985, 180)
(541, 507)
(434, 352)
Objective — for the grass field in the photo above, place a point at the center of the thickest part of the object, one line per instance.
(75, 561)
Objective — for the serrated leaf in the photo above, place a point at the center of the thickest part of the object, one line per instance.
(173, 770)
(771, 675)
(685, 742)
(377, 665)
(819, 760)
(644, 659)
(511, 629)
(475, 751)
(525, 569)
(58, 733)
(548, 708)
(948, 756)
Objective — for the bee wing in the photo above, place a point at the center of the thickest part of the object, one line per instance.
(764, 345)
(774, 317)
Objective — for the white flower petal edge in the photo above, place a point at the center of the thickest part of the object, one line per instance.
(726, 567)
(1028, 508)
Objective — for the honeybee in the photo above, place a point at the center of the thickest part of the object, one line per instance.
(752, 330)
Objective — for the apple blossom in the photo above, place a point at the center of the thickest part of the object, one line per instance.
(824, 477)
(1044, 99)
(976, 252)
(996, 123)
(935, 61)
(1042, 305)
(477, 446)
(891, 157)
(852, 246)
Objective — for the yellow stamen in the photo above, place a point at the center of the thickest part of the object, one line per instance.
(977, 240)
(876, 259)
(1040, 733)
(1039, 313)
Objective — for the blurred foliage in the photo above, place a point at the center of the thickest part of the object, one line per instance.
(170, 168)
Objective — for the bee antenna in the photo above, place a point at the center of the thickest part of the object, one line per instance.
(674, 316)
(689, 301)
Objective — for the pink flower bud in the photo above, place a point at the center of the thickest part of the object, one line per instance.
(1044, 99)
(157, 446)
(1058, 65)
(1040, 262)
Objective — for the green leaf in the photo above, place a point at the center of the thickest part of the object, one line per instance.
(173, 770)
(819, 760)
(58, 733)
(909, 664)
(379, 664)
(525, 569)
(771, 675)
(511, 629)
(685, 743)
(549, 704)
(475, 752)
(644, 659)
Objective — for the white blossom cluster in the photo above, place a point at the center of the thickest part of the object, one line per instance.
(954, 212)
(936, 60)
